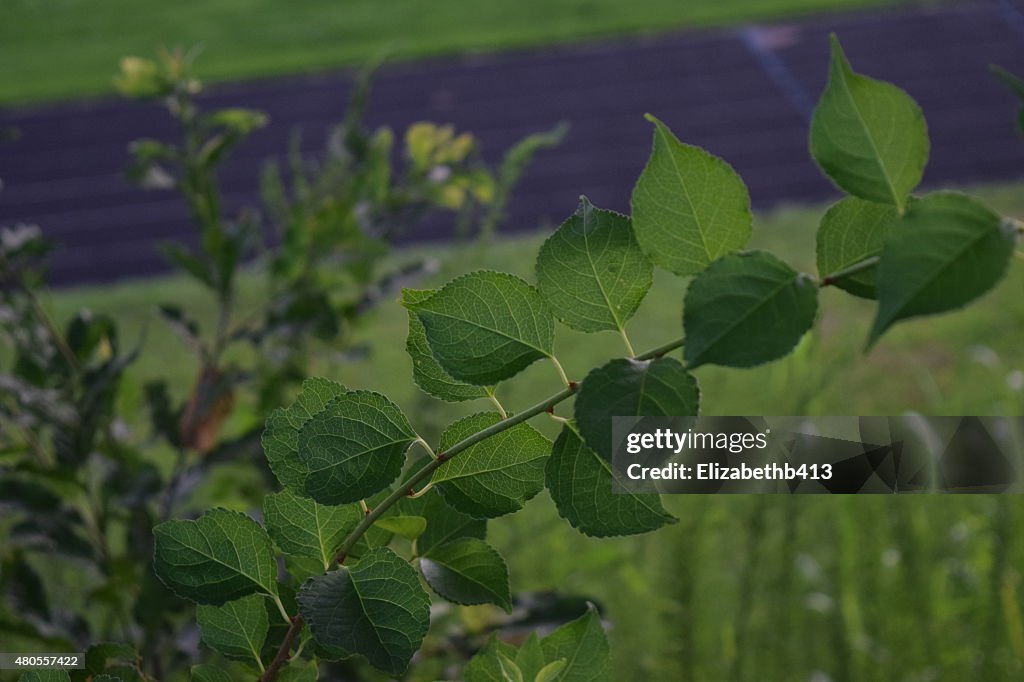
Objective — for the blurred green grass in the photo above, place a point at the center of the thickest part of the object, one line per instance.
(768, 588)
(57, 49)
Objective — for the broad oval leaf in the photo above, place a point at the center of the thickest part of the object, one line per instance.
(376, 609)
(625, 388)
(221, 556)
(426, 370)
(281, 435)
(495, 476)
(948, 250)
(468, 571)
(485, 326)
(304, 527)
(236, 629)
(852, 231)
(746, 309)
(869, 136)
(583, 645)
(689, 207)
(580, 483)
(592, 272)
(354, 447)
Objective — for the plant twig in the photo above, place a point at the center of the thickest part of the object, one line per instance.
(281, 658)
(865, 264)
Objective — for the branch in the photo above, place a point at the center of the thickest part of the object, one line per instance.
(865, 264)
(282, 653)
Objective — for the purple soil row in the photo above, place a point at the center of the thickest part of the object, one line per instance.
(744, 94)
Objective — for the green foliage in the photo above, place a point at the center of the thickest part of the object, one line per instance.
(354, 447)
(467, 571)
(485, 327)
(852, 231)
(426, 370)
(209, 673)
(496, 476)
(221, 556)
(236, 629)
(746, 309)
(948, 250)
(689, 207)
(592, 272)
(580, 482)
(301, 526)
(624, 387)
(377, 609)
(868, 136)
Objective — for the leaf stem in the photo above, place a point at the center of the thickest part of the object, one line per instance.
(561, 371)
(865, 264)
(281, 608)
(625, 340)
(423, 444)
(494, 399)
(423, 491)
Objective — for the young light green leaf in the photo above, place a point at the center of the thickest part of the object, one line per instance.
(485, 666)
(236, 629)
(376, 609)
(485, 326)
(626, 387)
(426, 371)
(689, 207)
(354, 447)
(580, 483)
(281, 436)
(207, 672)
(497, 475)
(551, 671)
(444, 522)
(746, 309)
(510, 672)
(949, 249)
(468, 571)
(592, 272)
(408, 527)
(530, 657)
(869, 136)
(302, 526)
(297, 671)
(583, 645)
(221, 556)
(852, 231)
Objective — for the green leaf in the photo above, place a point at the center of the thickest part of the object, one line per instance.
(354, 447)
(297, 671)
(580, 483)
(949, 249)
(852, 231)
(376, 609)
(485, 666)
(468, 571)
(281, 436)
(530, 657)
(869, 136)
(408, 527)
(689, 207)
(221, 556)
(495, 476)
(746, 309)
(551, 671)
(426, 371)
(444, 522)
(207, 672)
(583, 645)
(592, 272)
(510, 672)
(485, 326)
(305, 527)
(625, 388)
(236, 629)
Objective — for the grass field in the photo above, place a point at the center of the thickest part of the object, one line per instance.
(54, 49)
(743, 587)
